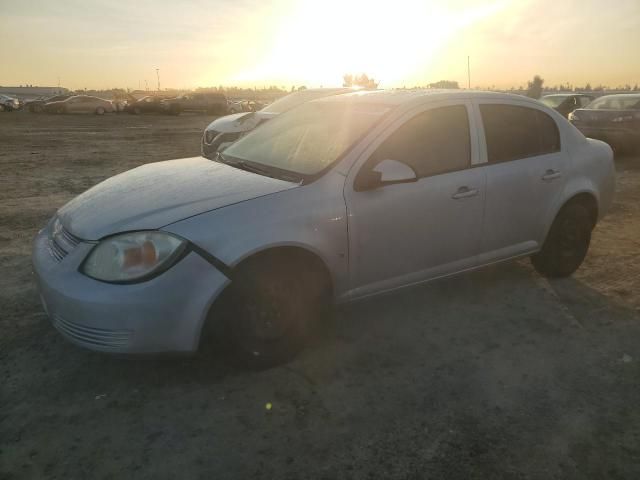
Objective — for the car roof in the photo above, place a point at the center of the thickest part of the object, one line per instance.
(568, 95)
(622, 95)
(400, 97)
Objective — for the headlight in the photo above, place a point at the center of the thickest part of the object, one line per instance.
(209, 135)
(132, 256)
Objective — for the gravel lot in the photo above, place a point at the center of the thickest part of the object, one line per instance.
(494, 374)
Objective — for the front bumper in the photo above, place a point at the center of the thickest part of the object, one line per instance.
(164, 314)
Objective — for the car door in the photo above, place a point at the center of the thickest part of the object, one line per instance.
(409, 232)
(525, 169)
(86, 105)
(74, 105)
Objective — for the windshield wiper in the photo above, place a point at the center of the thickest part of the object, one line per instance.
(263, 170)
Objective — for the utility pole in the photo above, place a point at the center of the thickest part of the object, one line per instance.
(146, 85)
(469, 71)
(158, 75)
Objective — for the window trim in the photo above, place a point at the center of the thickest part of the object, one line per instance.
(482, 137)
(474, 151)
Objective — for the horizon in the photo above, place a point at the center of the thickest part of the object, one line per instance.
(98, 44)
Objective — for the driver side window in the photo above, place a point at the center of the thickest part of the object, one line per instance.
(434, 142)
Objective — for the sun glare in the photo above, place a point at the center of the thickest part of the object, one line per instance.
(319, 42)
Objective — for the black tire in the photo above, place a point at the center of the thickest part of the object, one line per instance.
(137, 110)
(61, 110)
(265, 316)
(1, 108)
(100, 111)
(566, 244)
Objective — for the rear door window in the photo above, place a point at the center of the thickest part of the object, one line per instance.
(513, 132)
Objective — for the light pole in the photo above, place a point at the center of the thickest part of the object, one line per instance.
(469, 72)
(158, 75)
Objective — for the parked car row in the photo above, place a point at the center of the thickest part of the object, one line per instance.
(211, 103)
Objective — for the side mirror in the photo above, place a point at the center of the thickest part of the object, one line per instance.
(392, 171)
(387, 172)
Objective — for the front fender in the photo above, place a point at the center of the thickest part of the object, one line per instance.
(311, 217)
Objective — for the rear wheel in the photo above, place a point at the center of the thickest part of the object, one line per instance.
(137, 110)
(567, 243)
(100, 111)
(265, 316)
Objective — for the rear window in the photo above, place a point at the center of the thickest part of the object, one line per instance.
(615, 103)
(514, 132)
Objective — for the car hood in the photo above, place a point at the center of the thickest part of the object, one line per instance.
(239, 122)
(157, 194)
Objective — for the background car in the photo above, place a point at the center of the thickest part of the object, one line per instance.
(80, 104)
(148, 104)
(237, 106)
(223, 131)
(212, 103)
(8, 104)
(37, 106)
(612, 118)
(565, 103)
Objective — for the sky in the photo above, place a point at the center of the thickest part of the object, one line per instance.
(98, 44)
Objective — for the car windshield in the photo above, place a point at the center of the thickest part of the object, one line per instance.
(294, 99)
(307, 139)
(553, 101)
(615, 103)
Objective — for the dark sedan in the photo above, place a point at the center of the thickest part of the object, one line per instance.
(612, 118)
(565, 103)
(148, 104)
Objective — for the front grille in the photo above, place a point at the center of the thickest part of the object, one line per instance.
(61, 241)
(91, 336)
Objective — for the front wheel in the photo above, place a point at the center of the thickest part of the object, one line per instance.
(100, 111)
(567, 243)
(265, 316)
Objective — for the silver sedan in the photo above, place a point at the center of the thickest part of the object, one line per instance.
(341, 198)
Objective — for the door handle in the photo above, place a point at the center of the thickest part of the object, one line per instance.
(551, 174)
(465, 192)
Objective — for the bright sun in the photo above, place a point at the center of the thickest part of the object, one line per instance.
(318, 42)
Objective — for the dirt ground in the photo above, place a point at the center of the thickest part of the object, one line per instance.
(495, 374)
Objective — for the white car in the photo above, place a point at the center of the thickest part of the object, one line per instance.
(223, 131)
(8, 103)
(341, 198)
